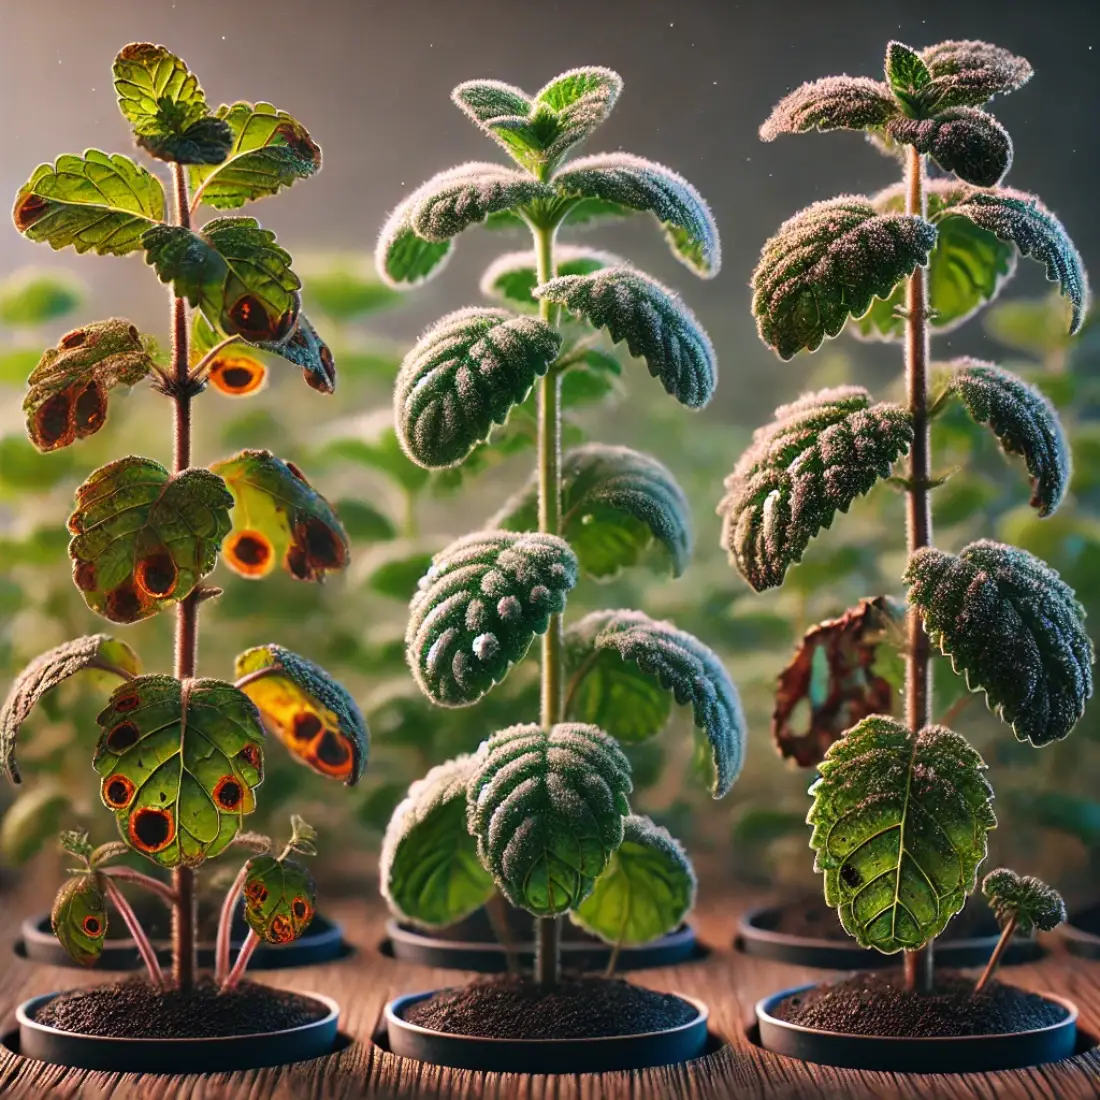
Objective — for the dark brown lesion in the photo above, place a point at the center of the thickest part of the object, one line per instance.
(127, 702)
(117, 791)
(229, 793)
(316, 549)
(253, 757)
(92, 926)
(89, 410)
(29, 210)
(156, 575)
(122, 737)
(295, 137)
(281, 930)
(84, 573)
(249, 552)
(53, 422)
(151, 829)
(250, 318)
(850, 876)
(237, 375)
(256, 893)
(306, 726)
(332, 756)
(74, 339)
(125, 604)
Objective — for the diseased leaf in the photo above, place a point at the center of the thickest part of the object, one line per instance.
(429, 870)
(46, 671)
(1024, 422)
(279, 517)
(280, 899)
(79, 918)
(307, 710)
(143, 538)
(963, 140)
(237, 375)
(547, 809)
(478, 608)
(513, 277)
(1024, 899)
(600, 689)
(646, 891)
(969, 73)
(834, 103)
(268, 150)
(899, 827)
(33, 297)
(306, 349)
(463, 376)
(828, 263)
(179, 763)
(67, 394)
(33, 817)
(655, 324)
(816, 457)
(1013, 627)
(616, 505)
(95, 202)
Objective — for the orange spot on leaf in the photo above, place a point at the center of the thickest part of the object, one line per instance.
(237, 376)
(228, 793)
(151, 829)
(156, 575)
(249, 552)
(117, 791)
(92, 926)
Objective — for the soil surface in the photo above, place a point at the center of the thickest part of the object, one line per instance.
(511, 1007)
(133, 1009)
(811, 918)
(875, 1003)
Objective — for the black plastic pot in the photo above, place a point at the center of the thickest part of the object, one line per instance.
(323, 942)
(1078, 935)
(757, 935)
(962, 1054)
(273, 1048)
(616, 1052)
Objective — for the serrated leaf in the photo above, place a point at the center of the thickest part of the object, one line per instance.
(46, 671)
(32, 297)
(79, 918)
(969, 73)
(143, 538)
(816, 457)
(833, 680)
(1024, 422)
(655, 324)
(268, 150)
(33, 818)
(616, 504)
(93, 202)
(403, 258)
(602, 690)
(906, 71)
(547, 808)
(429, 870)
(478, 608)
(899, 827)
(463, 376)
(963, 140)
(1027, 901)
(1013, 627)
(828, 263)
(67, 395)
(834, 103)
(279, 517)
(307, 710)
(166, 107)
(639, 184)
(646, 891)
(280, 899)
(179, 762)
(513, 277)
(305, 348)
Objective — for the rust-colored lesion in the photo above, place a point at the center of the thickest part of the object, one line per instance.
(251, 319)
(229, 793)
(151, 829)
(315, 549)
(29, 209)
(93, 926)
(296, 137)
(237, 375)
(117, 791)
(156, 575)
(249, 552)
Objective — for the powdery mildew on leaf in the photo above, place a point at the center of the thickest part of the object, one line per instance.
(1027, 900)
(403, 258)
(512, 277)
(963, 140)
(832, 103)
(968, 73)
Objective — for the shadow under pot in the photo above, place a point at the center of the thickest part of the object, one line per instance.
(868, 1021)
(472, 944)
(808, 933)
(510, 1024)
(1081, 933)
(130, 1027)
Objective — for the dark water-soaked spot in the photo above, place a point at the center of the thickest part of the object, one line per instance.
(252, 756)
(281, 930)
(324, 548)
(90, 410)
(297, 139)
(117, 791)
(298, 564)
(125, 703)
(299, 907)
(237, 378)
(151, 829)
(134, 334)
(29, 211)
(332, 750)
(157, 574)
(92, 926)
(124, 604)
(73, 339)
(51, 421)
(228, 793)
(307, 725)
(850, 876)
(84, 576)
(122, 737)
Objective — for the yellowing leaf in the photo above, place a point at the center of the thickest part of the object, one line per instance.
(279, 899)
(79, 918)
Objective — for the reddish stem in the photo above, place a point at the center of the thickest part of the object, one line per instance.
(243, 956)
(225, 923)
(145, 948)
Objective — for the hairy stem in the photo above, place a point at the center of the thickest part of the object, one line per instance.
(250, 944)
(146, 882)
(145, 948)
(225, 923)
(994, 960)
(918, 664)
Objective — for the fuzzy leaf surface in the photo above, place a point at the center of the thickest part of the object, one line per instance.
(963, 140)
(1027, 900)
(280, 898)
(906, 72)
(833, 103)
(969, 73)
(403, 258)
(513, 277)
(79, 918)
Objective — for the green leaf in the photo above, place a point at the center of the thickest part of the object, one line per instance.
(513, 277)
(816, 457)
(382, 452)
(306, 349)
(179, 762)
(547, 808)
(1014, 627)
(398, 575)
(478, 608)
(79, 918)
(646, 891)
(143, 538)
(95, 202)
(166, 108)
(963, 140)
(1024, 422)
(1024, 899)
(463, 376)
(279, 517)
(906, 71)
(23, 469)
(16, 363)
(32, 297)
(32, 818)
(601, 689)
(46, 671)
(834, 103)
(315, 717)
(616, 504)
(639, 184)
(344, 285)
(67, 395)
(828, 263)
(655, 324)
(969, 73)
(268, 150)
(280, 899)
(403, 258)
(429, 869)
(899, 827)
(365, 523)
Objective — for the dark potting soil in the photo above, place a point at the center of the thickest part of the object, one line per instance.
(513, 1007)
(133, 1009)
(875, 1003)
(811, 918)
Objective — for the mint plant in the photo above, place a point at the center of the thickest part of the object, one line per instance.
(180, 758)
(540, 811)
(901, 809)
(1022, 904)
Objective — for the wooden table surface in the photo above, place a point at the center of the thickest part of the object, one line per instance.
(729, 982)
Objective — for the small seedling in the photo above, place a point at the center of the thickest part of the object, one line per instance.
(902, 808)
(180, 758)
(540, 812)
(1022, 905)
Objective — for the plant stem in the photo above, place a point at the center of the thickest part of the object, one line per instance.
(147, 882)
(225, 923)
(918, 665)
(994, 959)
(548, 929)
(145, 948)
(252, 941)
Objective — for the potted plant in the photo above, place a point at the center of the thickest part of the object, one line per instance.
(539, 812)
(901, 808)
(180, 758)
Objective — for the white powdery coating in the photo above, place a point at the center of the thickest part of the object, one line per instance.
(832, 103)
(1023, 898)
(524, 262)
(963, 140)
(967, 73)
